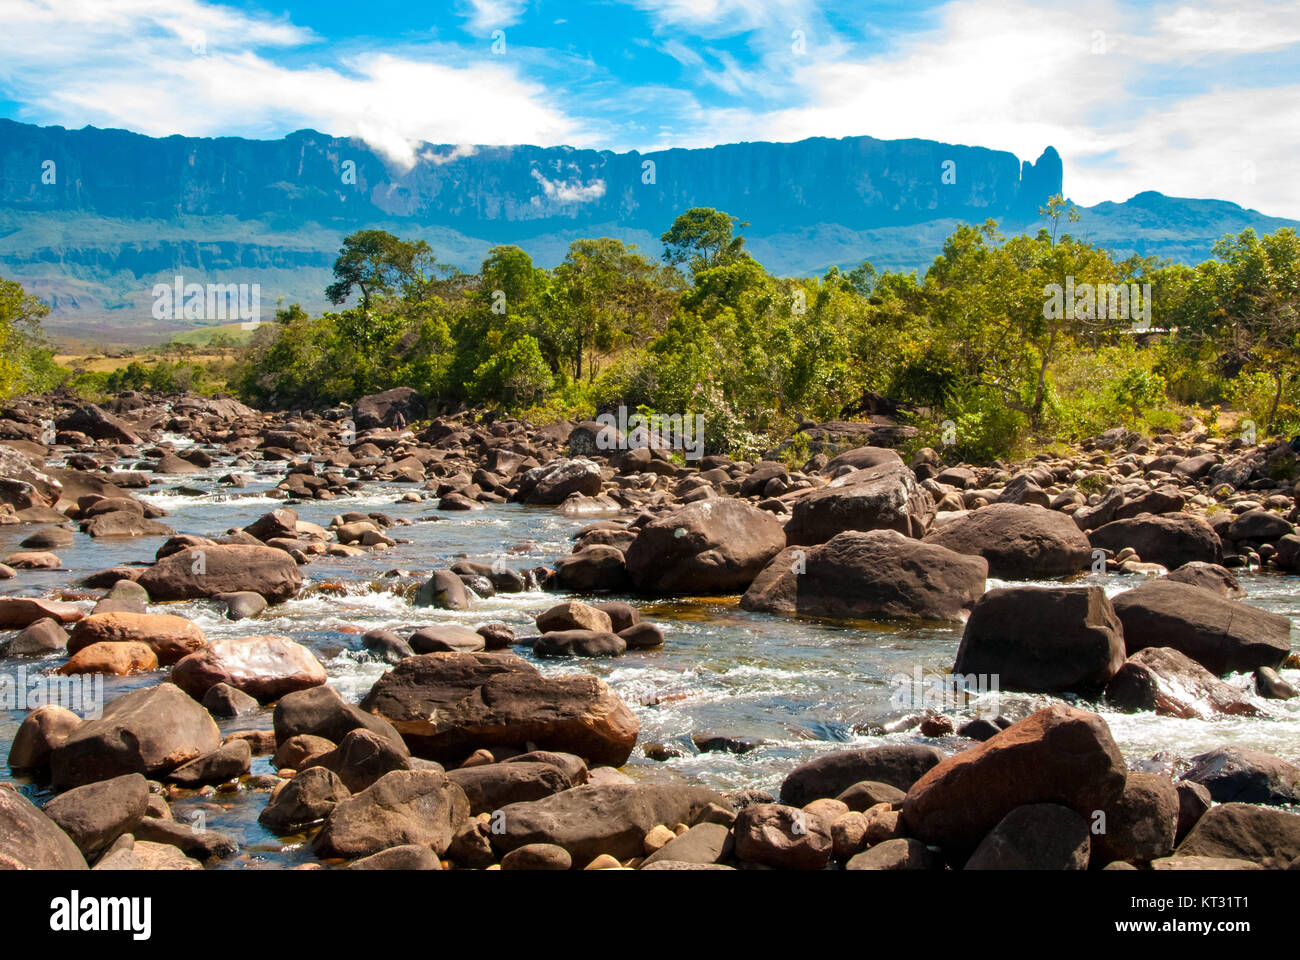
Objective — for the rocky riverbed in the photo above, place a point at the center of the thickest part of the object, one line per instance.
(317, 641)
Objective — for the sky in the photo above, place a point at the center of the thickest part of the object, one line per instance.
(1195, 99)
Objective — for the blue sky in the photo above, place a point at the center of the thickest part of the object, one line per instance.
(1197, 98)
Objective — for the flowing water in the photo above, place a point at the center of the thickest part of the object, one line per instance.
(790, 688)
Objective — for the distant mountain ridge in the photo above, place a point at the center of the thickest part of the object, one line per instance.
(90, 219)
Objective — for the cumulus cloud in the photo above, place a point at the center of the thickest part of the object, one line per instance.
(569, 191)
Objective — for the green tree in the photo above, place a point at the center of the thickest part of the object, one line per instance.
(703, 237)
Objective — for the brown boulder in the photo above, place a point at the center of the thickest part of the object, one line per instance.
(264, 667)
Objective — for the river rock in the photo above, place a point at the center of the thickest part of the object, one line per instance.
(1169, 539)
(37, 639)
(200, 572)
(898, 765)
(444, 590)
(151, 731)
(1020, 542)
(899, 854)
(579, 643)
(264, 667)
(493, 785)
(1036, 836)
(446, 638)
(883, 497)
(95, 815)
(41, 731)
(594, 567)
(409, 856)
(308, 797)
(321, 712)
(361, 758)
(1222, 635)
(115, 659)
(1141, 823)
(29, 840)
(574, 615)
(702, 843)
(1056, 755)
(170, 637)
(1238, 775)
(1043, 639)
(447, 705)
(1244, 831)
(405, 806)
(712, 546)
(860, 575)
(782, 837)
(1172, 684)
(19, 612)
(229, 761)
(1208, 576)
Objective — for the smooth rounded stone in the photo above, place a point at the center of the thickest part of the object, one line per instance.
(408, 856)
(605, 862)
(282, 522)
(827, 809)
(849, 835)
(19, 612)
(579, 643)
(300, 802)
(1258, 526)
(656, 838)
(98, 813)
(29, 840)
(496, 636)
(242, 604)
(600, 818)
(48, 538)
(1141, 823)
(621, 614)
(884, 496)
(446, 638)
(642, 636)
(478, 758)
(574, 615)
(1244, 831)
(37, 639)
(595, 567)
(116, 659)
(320, 711)
(1193, 800)
(147, 855)
(1270, 686)
(445, 590)
(1208, 576)
(387, 646)
(1222, 635)
(1238, 775)
(1056, 755)
(296, 752)
(1172, 684)
(151, 731)
(1170, 539)
(900, 854)
(1019, 541)
(898, 765)
(979, 729)
(554, 482)
(188, 837)
(264, 667)
(702, 843)
(447, 705)
(470, 847)
(228, 761)
(201, 572)
(883, 822)
(170, 637)
(864, 575)
(865, 794)
(537, 856)
(491, 786)
(41, 731)
(1203, 863)
(711, 546)
(361, 758)
(572, 766)
(1037, 836)
(261, 742)
(223, 700)
(405, 806)
(782, 837)
(1042, 639)
(33, 560)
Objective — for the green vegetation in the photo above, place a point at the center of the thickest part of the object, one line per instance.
(26, 360)
(1004, 345)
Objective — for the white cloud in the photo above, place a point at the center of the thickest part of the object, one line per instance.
(569, 191)
(485, 15)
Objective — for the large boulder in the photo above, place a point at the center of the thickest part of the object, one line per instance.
(19, 612)
(151, 731)
(590, 820)
(378, 409)
(29, 840)
(1244, 831)
(490, 786)
(1238, 775)
(308, 797)
(447, 705)
(898, 765)
(1019, 541)
(1140, 824)
(405, 806)
(1037, 836)
(867, 575)
(883, 497)
(99, 424)
(1169, 539)
(170, 638)
(1172, 684)
(711, 546)
(322, 712)
(551, 485)
(96, 814)
(206, 571)
(264, 667)
(782, 837)
(1056, 755)
(1222, 635)
(1043, 639)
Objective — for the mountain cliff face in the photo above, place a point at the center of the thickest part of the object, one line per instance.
(90, 219)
